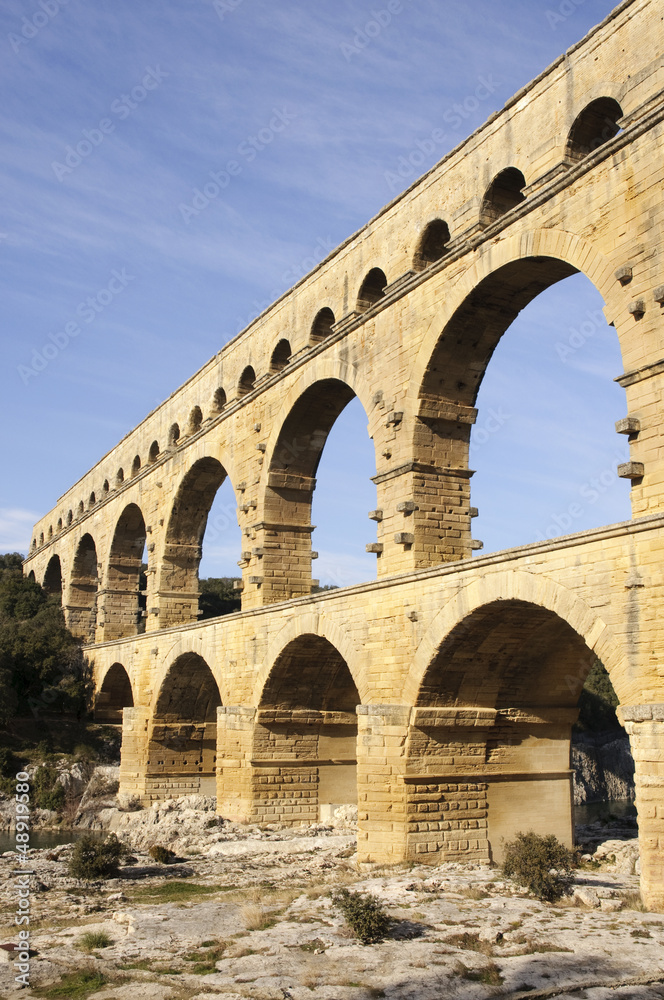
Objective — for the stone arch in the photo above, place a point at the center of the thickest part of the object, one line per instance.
(53, 577)
(173, 435)
(114, 694)
(321, 328)
(372, 289)
(81, 608)
(247, 381)
(119, 478)
(93, 499)
(218, 400)
(432, 245)
(182, 738)
(593, 126)
(309, 702)
(293, 459)
(456, 351)
(195, 421)
(153, 454)
(503, 668)
(178, 585)
(503, 193)
(122, 598)
(136, 466)
(281, 355)
(320, 626)
(528, 589)
(70, 517)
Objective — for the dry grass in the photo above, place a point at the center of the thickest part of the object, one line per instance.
(470, 942)
(633, 901)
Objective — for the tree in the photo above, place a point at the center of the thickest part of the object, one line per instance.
(218, 597)
(41, 663)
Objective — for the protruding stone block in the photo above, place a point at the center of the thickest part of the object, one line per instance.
(631, 470)
(637, 308)
(376, 547)
(376, 515)
(404, 538)
(625, 274)
(628, 425)
(407, 507)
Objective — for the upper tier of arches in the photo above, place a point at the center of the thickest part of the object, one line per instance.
(590, 128)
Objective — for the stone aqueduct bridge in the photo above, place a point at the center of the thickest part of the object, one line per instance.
(440, 696)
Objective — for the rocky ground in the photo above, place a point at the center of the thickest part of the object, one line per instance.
(247, 913)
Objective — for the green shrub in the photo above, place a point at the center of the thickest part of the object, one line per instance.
(541, 864)
(47, 791)
(364, 914)
(94, 939)
(96, 859)
(162, 854)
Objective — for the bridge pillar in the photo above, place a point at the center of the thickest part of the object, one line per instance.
(381, 791)
(120, 614)
(286, 766)
(645, 727)
(134, 754)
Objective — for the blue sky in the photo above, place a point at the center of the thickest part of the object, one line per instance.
(168, 289)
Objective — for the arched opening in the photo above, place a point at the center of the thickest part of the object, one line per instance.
(173, 435)
(50, 532)
(114, 695)
(247, 380)
(179, 587)
(308, 715)
(281, 355)
(218, 400)
(53, 578)
(182, 748)
(372, 289)
(59, 525)
(81, 508)
(503, 193)
(70, 517)
(41, 537)
(31, 576)
(123, 606)
(195, 421)
(597, 123)
(292, 476)
(322, 325)
(433, 244)
(34, 543)
(543, 444)
(81, 610)
(153, 454)
(92, 501)
(493, 723)
(106, 488)
(136, 466)
(119, 478)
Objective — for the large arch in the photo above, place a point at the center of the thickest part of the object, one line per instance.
(182, 741)
(294, 453)
(496, 685)
(306, 733)
(114, 695)
(53, 577)
(81, 606)
(451, 363)
(178, 583)
(121, 597)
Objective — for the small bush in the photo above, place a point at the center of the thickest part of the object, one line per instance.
(163, 855)
(96, 859)
(364, 914)
(541, 864)
(47, 791)
(94, 939)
